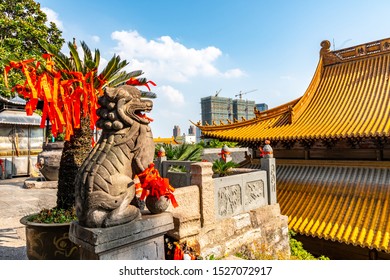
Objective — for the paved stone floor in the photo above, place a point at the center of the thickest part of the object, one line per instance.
(16, 202)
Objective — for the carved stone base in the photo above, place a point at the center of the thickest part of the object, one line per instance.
(137, 240)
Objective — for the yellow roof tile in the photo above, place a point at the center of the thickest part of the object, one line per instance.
(349, 96)
(345, 203)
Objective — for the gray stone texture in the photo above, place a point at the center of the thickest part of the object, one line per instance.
(268, 164)
(197, 220)
(139, 239)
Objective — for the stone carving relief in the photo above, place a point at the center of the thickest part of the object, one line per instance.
(253, 192)
(273, 178)
(229, 200)
(104, 184)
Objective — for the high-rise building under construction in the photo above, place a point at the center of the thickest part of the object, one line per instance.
(215, 108)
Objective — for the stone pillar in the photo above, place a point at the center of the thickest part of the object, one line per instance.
(138, 240)
(161, 157)
(268, 164)
(202, 176)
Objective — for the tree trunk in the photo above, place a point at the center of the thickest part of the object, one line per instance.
(74, 152)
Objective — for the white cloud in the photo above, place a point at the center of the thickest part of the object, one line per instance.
(95, 38)
(172, 94)
(52, 16)
(166, 59)
(234, 73)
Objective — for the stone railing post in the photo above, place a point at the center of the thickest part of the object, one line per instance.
(161, 157)
(268, 164)
(202, 176)
(158, 162)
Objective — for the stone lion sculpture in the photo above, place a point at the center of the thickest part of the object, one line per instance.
(104, 183)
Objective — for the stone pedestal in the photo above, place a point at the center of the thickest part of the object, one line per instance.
(137, 240)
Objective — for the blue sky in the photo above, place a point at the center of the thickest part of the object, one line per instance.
(192, 49)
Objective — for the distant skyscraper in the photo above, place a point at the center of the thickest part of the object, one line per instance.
(191, 130)
(262, 107)
(176, 131)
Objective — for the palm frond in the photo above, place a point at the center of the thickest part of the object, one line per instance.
(110, 68)
(75, 57)
(148, 94)
(135, 73)
(96, 58)
(87, 51)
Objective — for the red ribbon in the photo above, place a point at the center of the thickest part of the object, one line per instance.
(153, 184)
(63, 99)
(263, 153)
(178, 254)
(139, 82)
(223, 154)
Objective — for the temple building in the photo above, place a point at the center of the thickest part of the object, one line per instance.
(332, 148)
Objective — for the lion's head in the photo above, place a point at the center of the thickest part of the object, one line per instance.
(121, 106)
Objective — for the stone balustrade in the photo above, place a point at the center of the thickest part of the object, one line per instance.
(220, 216)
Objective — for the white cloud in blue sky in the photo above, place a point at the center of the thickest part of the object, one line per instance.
(172, 94)
(52, 16)
(166, 59)
(95, 38)
(191, 49)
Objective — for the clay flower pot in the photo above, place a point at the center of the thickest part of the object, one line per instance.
(49, 241)
(156, 205)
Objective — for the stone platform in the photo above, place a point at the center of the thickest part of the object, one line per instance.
(137, 240)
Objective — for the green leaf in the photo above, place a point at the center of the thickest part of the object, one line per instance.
(75, 57)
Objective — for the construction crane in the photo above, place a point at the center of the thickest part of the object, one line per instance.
(217, 92)
(242, 93)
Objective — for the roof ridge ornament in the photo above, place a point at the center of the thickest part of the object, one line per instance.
(328, 57)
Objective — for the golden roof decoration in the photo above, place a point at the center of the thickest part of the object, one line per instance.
(348, 97)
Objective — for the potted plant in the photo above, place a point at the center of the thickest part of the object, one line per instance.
(67, 88)
(222, 168)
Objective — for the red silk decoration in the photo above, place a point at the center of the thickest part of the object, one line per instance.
(153, 184)
(223, 154)
(263, 153)
(63, 99)
(178, 254)
(2, 167)
(136, 82)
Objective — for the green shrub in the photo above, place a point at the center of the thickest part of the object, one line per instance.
(54, 215)
(298, 252)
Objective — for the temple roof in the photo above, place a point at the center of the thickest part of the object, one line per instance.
(349, 96)
(160, 140)
(346, 202)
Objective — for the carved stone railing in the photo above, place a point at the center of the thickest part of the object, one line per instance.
(176, 178)
(240, 193)
(217, 216)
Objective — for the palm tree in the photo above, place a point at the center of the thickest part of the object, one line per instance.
(81, 86)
